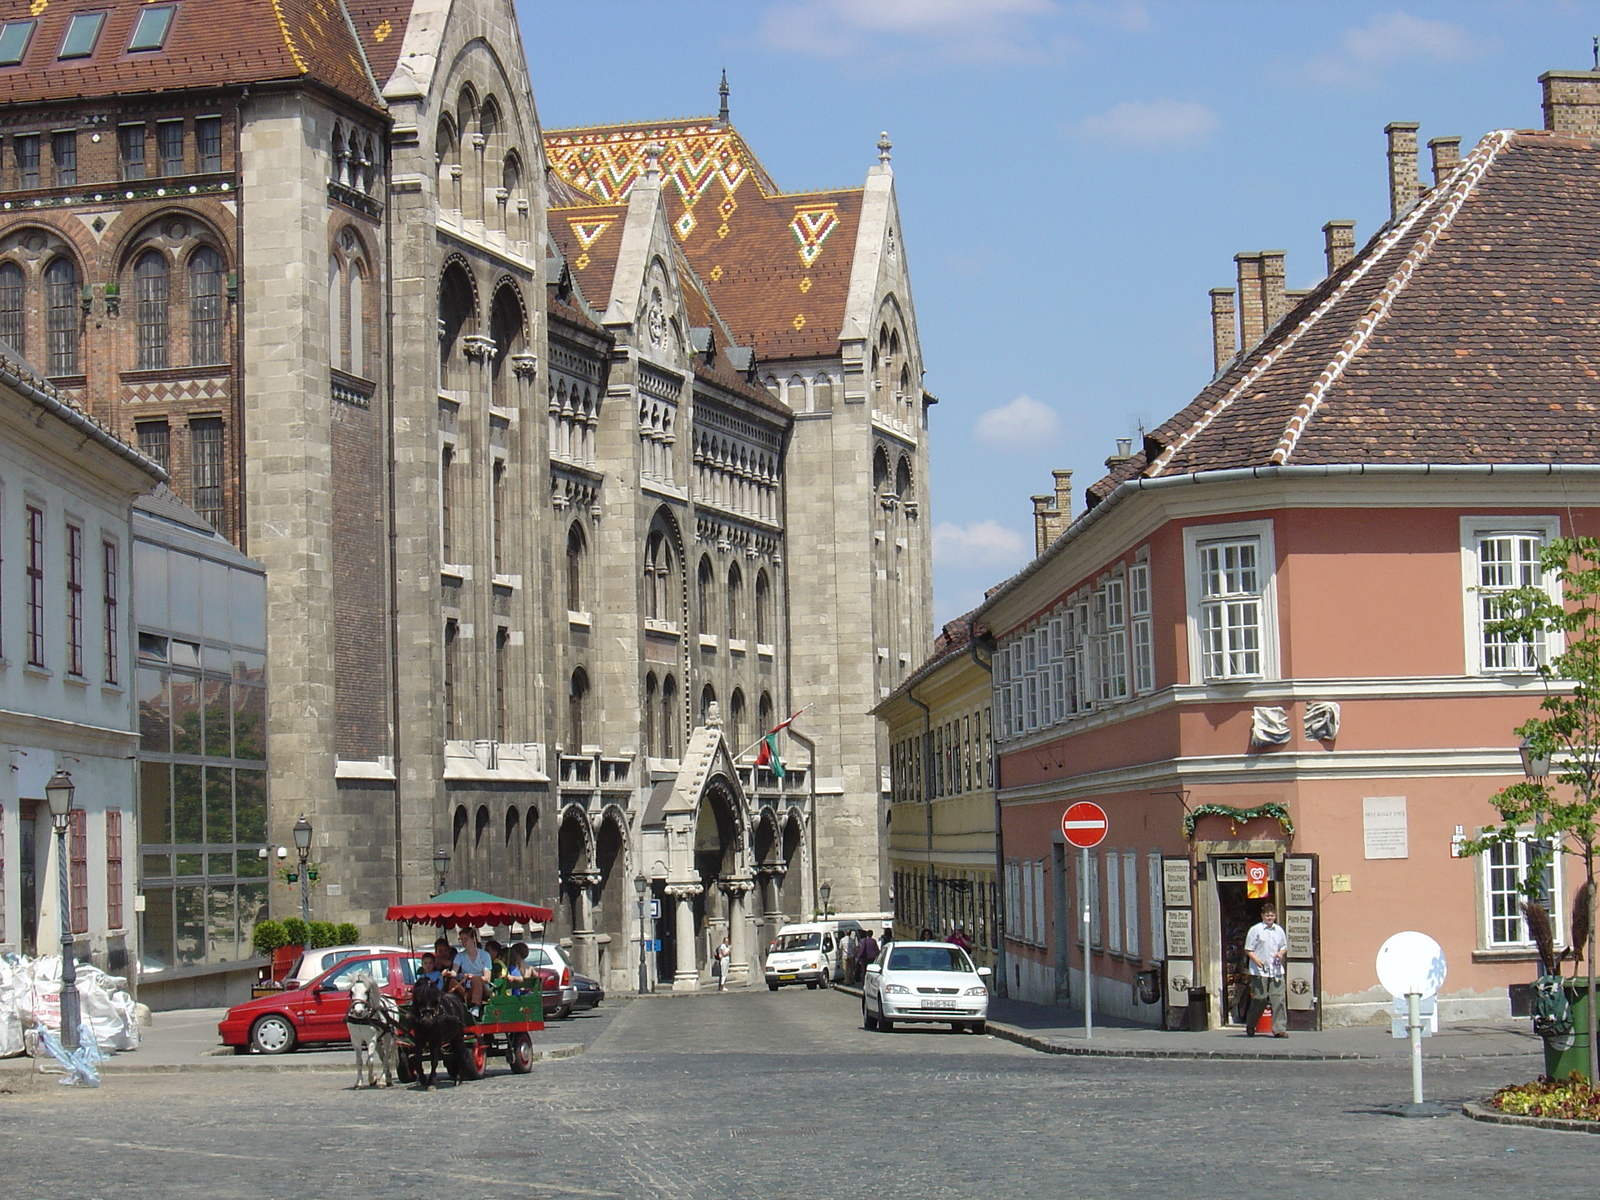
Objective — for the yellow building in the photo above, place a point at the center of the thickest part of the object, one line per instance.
(942, 806)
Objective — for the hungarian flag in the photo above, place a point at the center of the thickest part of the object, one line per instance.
(767, 756)
(1255, 879)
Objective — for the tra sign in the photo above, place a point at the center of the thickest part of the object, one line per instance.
(1084, 824)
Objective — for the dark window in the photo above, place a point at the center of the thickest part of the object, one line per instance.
(205, 308)
(450, 630)
(78, 858)
(205, 466)
(113, 868)
(155, 442)
(169, 145)
(208, 142)
(648, 715)
(497, 500)
(130, 141)
(74, 600)
(28, 160)
(61, 316)
(447, 533)
(12, 326)
(577, 701)
(35, 586)
(14, 39)
(576, 547)
(64, 153)
(763, 605)
(150, 30)
(113, 625)
(502, 639)
(83, 30)
(704, 585)
(150, 282)
(669, 718)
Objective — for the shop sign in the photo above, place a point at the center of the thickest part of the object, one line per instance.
(1297, 883)
(1180, 933)
(1175, 882)
(1297, 924)
(1300, 982)
(1228, 870)
(1180, 978)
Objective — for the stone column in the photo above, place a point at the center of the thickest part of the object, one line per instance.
(584, 884)
(737, 888)
(687, 976)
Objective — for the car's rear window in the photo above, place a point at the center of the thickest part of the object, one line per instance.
(929, 958)
(789, 942)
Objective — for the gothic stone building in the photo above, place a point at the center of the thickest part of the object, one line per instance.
(576, 460)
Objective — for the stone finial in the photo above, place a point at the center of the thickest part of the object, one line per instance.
(722, 93)
(652, 161)
(714, 715)
(884, 146)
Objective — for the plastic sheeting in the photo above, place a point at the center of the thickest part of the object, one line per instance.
(30, 1001)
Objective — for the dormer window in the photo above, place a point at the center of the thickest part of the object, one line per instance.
(83, 31)
(14, 39)
(150, 30)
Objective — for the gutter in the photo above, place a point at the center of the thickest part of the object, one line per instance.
(78, 420)
(1131, 487)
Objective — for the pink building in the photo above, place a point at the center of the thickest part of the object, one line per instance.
(1264, 640)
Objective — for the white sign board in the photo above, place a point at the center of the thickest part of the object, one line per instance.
(1180, 978)
(1180, 933)
(1297, 924)
(1297, 882)
(1383, 826)
(1411, 962)
(1300, 982)
(1175, 882)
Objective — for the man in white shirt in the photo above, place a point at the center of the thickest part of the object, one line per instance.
(1267, 946)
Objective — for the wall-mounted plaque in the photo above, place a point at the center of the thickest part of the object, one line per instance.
(1383, 826)
(1180, 978)
(1180, 933)
(1297, 882)
(1175, 882)
(1297, 924)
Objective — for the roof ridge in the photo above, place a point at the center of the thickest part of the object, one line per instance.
(1267, 360)
(1473, 170)
(670, 121)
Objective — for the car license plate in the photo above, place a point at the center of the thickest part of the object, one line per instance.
(787, 978)
(938, 1004)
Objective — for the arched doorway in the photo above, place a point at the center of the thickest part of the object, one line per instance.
(716, 857)
(575, 860)
(791, 891)
(613, 895)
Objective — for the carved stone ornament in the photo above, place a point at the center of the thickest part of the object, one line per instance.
(1269, 727)
(1322, 720)
(776, 870)
(524, 365)
(656, 320)
(477, 347)
(684, 891)
(736, 885)
(714, 715)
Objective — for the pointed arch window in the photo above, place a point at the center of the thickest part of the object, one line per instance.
(13, 329)
(705, 586)
(577, 551)
(669, 717)
(577, 706)
(648, 715)
(763, 609)
(206, 346)
(735, 603)
(61, 289)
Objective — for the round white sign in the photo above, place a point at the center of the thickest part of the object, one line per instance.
(1411, 962)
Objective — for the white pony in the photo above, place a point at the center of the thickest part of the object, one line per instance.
(372, 1021)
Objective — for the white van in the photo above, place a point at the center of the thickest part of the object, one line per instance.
(807, 953)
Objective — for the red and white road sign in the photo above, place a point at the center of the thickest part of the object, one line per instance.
(1084, 824)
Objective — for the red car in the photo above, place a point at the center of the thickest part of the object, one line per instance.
(315, 1013)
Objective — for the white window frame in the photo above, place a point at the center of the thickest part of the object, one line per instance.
(1030, 679)
(1266, 567)
(1473, 530)
(1114, 901)
(1002, 687)
(1487, 878)
(1130, 903)
(1141, 632)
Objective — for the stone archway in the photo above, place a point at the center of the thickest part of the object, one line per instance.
(613, 894)
(792, 900)
(575, 859)
(717, 845)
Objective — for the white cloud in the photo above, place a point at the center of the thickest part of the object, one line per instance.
(978, 546)
(1023, 423)
(1150, 123)
(1366, 51)
(995, 30)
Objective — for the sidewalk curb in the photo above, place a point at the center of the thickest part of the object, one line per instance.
(1481, 1112)
(248, 1064)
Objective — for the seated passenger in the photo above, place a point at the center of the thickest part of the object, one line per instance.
(473, 967)
(430, 970)
(444, 956)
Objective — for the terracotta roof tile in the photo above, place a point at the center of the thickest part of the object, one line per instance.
(381, 25)
(212, 43)
(590, 239)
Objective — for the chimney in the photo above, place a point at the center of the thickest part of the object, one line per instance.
(1274, 301)
(1123, 454)
(1043, 525)
(1446, 155)
(1572, 102)
(1339, 243)
(1404, 184)
(1224, 332)
(1063, 480)
(1251, 301)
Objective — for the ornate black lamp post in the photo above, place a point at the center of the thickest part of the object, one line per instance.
(302, 845)
(58, 792)
(441, 866)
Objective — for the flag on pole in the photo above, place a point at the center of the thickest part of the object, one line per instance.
(767, 756)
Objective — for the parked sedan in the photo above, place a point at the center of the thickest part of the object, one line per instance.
(314, 1014)
(925, 981)
(590, 993)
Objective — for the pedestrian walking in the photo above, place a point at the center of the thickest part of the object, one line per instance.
(719, 963)
(850, 943)
(958, 937)
(1267, 946)
(866, 954)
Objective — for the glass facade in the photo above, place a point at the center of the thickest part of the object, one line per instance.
(200, 679)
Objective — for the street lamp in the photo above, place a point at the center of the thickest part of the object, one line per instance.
(302, 845)
(58, 792)
(825, 891)
(441, 866)
(641, 885)
(1534, 766)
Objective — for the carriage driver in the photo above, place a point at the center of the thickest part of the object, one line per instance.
(473, 966)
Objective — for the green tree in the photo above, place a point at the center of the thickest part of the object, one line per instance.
(1559, 813)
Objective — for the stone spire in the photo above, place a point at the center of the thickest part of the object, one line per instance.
(884, 146)
(722, 91)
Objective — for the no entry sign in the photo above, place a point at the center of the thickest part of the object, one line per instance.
(1084, 824)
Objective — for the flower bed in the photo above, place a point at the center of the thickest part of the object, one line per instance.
(1570, 1099)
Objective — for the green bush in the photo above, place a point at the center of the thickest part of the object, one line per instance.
(323, 933)
(348, 934)
(295, 930)
(269, 936)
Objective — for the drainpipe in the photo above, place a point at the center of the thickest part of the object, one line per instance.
(987, 665)
(927, 792)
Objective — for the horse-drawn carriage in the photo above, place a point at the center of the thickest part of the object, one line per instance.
(507, 1018)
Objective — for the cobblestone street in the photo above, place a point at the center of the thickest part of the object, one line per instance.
(783, 1095)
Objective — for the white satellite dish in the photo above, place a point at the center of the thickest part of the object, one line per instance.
(1411, 964)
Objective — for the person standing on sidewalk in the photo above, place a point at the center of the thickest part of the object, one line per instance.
(866, 954)
(719, 963)
(1267, 946)
(849, 943)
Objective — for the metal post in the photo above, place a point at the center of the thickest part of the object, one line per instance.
(1414, 1027)
(644, 969)
(1088, 969)
(69, 960)
(305, 892)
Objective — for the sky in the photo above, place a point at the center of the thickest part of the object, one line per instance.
(1073, 178)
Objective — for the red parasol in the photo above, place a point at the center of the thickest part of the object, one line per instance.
(452, 910)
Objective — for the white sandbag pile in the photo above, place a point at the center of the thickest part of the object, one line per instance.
(30, 1001)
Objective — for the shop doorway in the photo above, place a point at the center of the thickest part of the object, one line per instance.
(1236, 913)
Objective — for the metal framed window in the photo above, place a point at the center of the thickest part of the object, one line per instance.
(155, 441)
(113, 868)
(61, 322)
(1507, 560)
(1230, 608)
(13, 324)
(14, 39)
(110, 582)
(64, 156)
(130, 142)
(1140, 628)
(27, 150)
(206, 344)
(208, 143)
(206, 452)
(78, 868)
(35, 586)
(74, 600)
(1504, 868)
(169, 144)
(151, 290)
(83, 30)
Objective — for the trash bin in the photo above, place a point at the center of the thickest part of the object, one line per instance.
(1559, 1063)
(1199, 1009)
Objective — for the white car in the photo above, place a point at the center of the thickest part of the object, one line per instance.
(925, 981)
(549, 955)
(314, 962)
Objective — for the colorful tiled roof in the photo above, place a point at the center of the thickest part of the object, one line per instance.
(590, 239)
(381, 25)
(211, 43)
(1468, 331)
(776, 264)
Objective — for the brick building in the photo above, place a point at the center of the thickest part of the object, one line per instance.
(539, 498)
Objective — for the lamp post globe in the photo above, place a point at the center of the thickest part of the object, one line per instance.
(826, 892)
(441, 866)
(58, 794)
(1534, 766)
(302, 845)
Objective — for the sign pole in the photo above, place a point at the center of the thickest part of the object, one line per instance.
(1414, 1028)
(1088, 969)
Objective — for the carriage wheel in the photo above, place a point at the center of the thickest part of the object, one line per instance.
(404, 1067)
(474, 1056)
(519, 1053)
